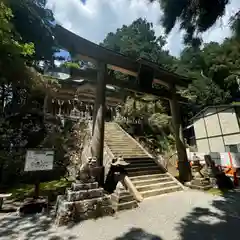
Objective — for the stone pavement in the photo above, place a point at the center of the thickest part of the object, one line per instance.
(187, 215)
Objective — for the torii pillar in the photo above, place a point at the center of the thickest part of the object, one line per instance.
(97, 143)
(183, 163)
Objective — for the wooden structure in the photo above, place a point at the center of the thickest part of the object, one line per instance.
(79, 96)
(145, 75)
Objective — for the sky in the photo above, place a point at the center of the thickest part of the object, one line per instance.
(94, 19)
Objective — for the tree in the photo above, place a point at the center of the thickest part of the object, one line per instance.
(138, 40)
(194, 16)
(34, 23)
(22, 91)
(214, 69)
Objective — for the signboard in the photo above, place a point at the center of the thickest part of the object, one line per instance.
(39, 160)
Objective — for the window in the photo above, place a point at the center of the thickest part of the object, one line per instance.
(232, 148)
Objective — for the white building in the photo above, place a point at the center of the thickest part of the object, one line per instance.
(217, 129)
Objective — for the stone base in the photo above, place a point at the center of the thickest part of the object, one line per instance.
(122, 199)
(200, 182)
(198, 186)
(82, 210)
(83, 194)
(83, 201)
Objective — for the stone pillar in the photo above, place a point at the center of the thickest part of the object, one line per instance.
(183, 163)
(60, 107)
(45, 105)
(97, 143)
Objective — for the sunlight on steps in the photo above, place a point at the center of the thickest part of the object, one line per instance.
(146, 175)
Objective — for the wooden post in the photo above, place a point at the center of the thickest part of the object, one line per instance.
(183, 163)
(97, 144)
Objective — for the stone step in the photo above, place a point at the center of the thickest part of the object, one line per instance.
(148, 177)
(142, 164)
(122, 199)
(151, 181)
(129, 154)
(155, 192)
(141, 161)
(146, 172)
(117, 134)
(123, 152)
(119, 143)
(113, 135)
(132, 154)
(127, 149)
(125, 206)
(141, 168)
(156, 186)
(123, 143)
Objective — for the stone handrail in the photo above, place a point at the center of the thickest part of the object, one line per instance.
(131, 188)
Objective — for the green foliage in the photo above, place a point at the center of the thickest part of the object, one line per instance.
(34, 23)
(138, 40)
(22, 90)
(51, 189)
(71, 65)
(235, 24)
(215, 70)
(194, 16)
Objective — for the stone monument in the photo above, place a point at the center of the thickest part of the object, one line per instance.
(84, 200)
(210, 171)
(199, 181)
(217, 177)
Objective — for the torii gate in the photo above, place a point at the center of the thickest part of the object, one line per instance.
(145, 72)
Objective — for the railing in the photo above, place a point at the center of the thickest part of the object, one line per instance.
(127, 183)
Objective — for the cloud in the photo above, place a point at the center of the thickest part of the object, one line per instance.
(94, 19)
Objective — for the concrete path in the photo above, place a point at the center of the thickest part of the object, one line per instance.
(188, 215)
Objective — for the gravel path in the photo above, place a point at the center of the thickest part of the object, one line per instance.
(187, 215)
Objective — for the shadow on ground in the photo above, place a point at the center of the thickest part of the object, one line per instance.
(138, 234)
(37, 226)
(221, 221)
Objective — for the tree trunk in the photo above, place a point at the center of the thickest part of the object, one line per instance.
(183, 163)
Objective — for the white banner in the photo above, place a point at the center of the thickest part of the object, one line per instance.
(39, 160)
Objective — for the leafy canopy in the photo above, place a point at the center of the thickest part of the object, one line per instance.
(194, 16)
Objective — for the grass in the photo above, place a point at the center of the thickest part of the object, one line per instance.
(51, 189)
(218, 192)
(215, 191)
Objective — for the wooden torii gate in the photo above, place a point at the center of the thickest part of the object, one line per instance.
(146, 73)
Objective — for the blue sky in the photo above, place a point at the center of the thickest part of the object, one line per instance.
(94, 19)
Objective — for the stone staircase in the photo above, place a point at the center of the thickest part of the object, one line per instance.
(149, 179)
(121, 143)
(146, 175)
